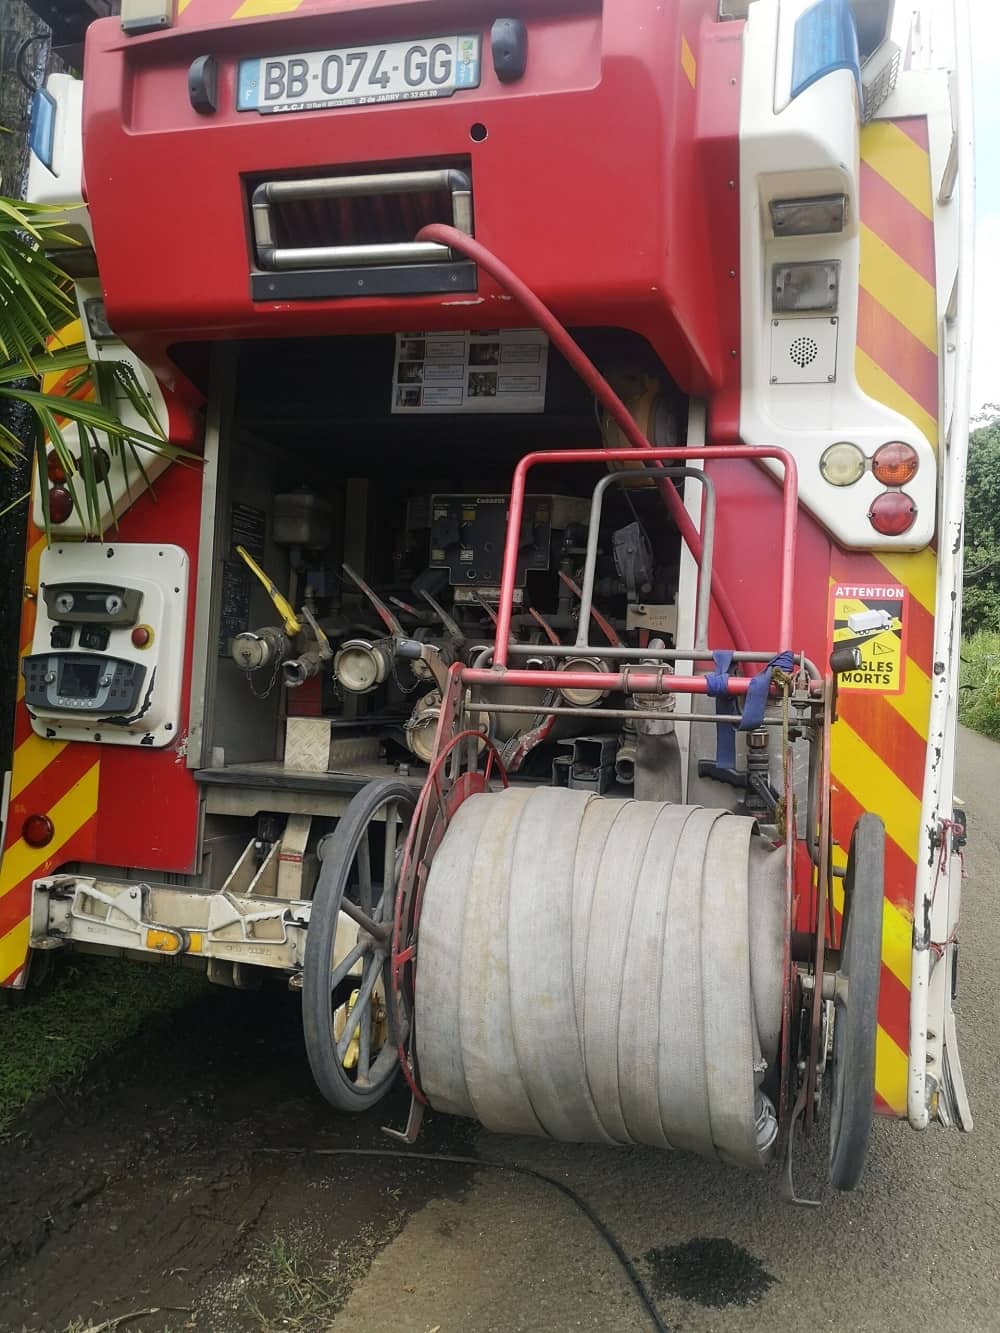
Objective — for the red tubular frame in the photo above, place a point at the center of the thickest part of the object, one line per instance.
(645, 682)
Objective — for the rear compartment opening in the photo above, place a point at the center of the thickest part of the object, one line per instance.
(327, 488)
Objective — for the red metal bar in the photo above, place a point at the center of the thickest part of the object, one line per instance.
(598, 385)
(627, 682)
(677, 453)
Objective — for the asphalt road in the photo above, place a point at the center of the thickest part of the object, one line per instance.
(917, 1246)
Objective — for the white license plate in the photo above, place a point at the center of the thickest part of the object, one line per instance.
(359, 75)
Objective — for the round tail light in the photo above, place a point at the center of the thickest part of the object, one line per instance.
(38, 830)
(842, 464)
(892, 513)
(895, 464)
(60, 504)
(54, 468)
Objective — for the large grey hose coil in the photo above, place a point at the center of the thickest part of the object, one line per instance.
(603, 970)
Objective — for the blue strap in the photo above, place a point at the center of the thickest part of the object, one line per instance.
(725, 704)
(757, 691)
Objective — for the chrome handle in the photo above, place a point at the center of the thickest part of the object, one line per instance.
(268, 193)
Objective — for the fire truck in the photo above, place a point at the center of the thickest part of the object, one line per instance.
(544, 658)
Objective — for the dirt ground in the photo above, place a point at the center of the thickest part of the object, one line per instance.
(148, 1189)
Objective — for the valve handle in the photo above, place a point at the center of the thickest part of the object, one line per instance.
(283, 607)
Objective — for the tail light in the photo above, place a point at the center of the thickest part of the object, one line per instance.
(892, 513)
(843, 464)
(895, 464)
(60, 504)
(38, 830)
(54, 468)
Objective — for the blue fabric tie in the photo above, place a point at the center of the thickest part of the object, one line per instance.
(758, 689)
(717, 684)
(754, 705)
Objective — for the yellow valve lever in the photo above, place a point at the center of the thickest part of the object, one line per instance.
(290, 620)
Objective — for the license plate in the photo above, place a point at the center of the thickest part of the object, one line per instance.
(359, 75)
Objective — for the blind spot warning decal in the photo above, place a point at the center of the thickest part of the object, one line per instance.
(873, 619)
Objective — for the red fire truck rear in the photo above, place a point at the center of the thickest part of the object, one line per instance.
(546, 659)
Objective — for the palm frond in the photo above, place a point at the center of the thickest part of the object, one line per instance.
(99, 399)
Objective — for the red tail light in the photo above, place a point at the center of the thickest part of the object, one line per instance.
(55, 469)
(38, 830)
(892, 513)
(60, 504)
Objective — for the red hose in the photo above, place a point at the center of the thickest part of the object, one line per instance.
(598, 385)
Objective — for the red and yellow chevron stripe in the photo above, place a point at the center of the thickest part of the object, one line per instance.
(880, 740)
(50, 778)
(47, 777)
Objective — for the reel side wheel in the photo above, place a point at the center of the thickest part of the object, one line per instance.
(342, 1001)
(856, 1004)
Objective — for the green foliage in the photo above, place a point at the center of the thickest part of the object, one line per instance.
(36, 301)
(979, 705)
(982, 529)
(53, 1036)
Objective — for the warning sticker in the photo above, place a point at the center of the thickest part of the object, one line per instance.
(487, 370)
(873, 619)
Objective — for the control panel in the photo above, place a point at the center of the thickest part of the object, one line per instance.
(107, 656)
(468, 533)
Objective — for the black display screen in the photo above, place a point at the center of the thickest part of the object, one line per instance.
(80, 680)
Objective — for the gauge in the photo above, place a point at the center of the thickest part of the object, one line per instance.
(64, 603)
(112, 603)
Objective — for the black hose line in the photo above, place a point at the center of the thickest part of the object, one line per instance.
(455, 1159)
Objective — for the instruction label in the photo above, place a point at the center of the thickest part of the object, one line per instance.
(490, 370)
(873, 619)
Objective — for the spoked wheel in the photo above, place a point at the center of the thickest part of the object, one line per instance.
(345, 1014)
(856, 1005)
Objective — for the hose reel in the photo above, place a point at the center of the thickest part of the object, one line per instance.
(603, 970)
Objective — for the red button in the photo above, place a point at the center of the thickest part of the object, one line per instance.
(142, 636)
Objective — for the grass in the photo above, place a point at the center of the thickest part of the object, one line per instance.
(302, 1293)
(979, 705)
(92, 1006)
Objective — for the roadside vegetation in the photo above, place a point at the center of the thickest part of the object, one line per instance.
(50, 1039)
(980, 693)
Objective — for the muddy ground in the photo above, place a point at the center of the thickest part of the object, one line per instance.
(147, 1188)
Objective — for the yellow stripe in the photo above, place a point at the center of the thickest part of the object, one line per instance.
(890, 1072)
(873, 784)
(897, 928)
(14, 948)
(688, 63)
(258, 8)
(68, 816)
(874, 381)
(20, 861)
(32, 757)
(182, 5)
(901, 162)
(903, 291)
(914, 704)
(31, 566)
(918, 572)
(31, 563)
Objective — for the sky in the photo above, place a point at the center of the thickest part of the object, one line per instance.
(986, 339)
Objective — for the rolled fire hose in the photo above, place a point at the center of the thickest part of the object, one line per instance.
(603, 970)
